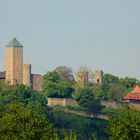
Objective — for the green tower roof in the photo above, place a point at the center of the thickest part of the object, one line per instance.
(14, 43)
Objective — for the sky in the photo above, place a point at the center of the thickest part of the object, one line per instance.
(99, 34)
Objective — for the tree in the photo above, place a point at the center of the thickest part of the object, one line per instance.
(55, 87)
(64, 89)
(124, 124)
(19, 122)
(65, 73)
(109, 78)
(84, 96)
(83, 76)
(129, 83)
(52, 77)
(102, 91)
(116, 92)
(94, 107)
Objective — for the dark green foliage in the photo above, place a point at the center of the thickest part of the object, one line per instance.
(84, 96)
(125, 124)
(129, 83)
(94, 107)
(113, 88)
(86, 99)
(109, 78)
(55, 87)
(84, 127)
(23, 114)
(19, 122)
(52, 77)
(64, 89)
(20, 93)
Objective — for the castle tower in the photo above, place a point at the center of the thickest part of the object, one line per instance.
(27, 75)
(14, 62)
(98, 76)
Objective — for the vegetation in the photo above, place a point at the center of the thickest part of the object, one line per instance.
(114, 88)
(84, 96)
(83, 76)
(84, 127)
(87, 100)
(65, 73)
(18, 122)
(125, 124)
(23, 114)
(54, 86)
(60, 83)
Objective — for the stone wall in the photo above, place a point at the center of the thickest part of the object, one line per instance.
(72, 102)
(116, 105)
(111, 104)
(61, 102)
(37, 82)
(27, 75)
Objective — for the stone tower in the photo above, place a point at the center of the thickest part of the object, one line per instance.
(14, 62)
(27, 75)
(98, 76)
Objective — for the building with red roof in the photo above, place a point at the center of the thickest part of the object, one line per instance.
(134, 96)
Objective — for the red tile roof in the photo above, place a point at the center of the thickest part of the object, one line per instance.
(136, 90)
(134, 95)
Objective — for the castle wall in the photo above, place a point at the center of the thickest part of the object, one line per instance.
(72, 102)
(27, 75)
(37, 82)
(61, 102)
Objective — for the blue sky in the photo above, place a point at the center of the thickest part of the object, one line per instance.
(101, 34)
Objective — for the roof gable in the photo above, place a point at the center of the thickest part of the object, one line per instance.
(14, 43)
(136, 90)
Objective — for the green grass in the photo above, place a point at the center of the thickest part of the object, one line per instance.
(83, 126)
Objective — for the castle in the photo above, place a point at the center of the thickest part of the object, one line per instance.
(19, 73)
(16, 71)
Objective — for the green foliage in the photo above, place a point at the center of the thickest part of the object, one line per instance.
(64, 89)
(52, 77)
(83, 76)
(102, 91)
(111, 88)
(19, 122)
(125, 124)
(75, 108)
(129, 83)
(55, 87)
(23, 114)
(19, 93)
(50, 89)
(93, 137)
(109, 78)
(82, 127)
(94, 107)
(86, 99)
(83, 96)
(114, 88)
